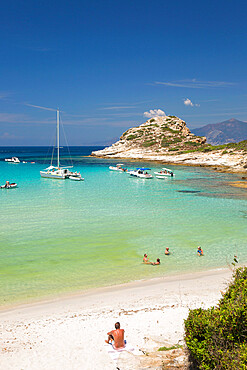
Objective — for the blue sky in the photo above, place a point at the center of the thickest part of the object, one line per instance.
(105, 63)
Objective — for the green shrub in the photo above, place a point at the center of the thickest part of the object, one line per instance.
(146, 144)
(168, 129)
(192, 143)
(131, 137)
(217, 337)
(169, 348)
(208, 149)
(173, 149)
(152, 120)
(166, 142)
(177, 140)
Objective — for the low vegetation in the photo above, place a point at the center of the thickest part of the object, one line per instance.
(169, 348)
(217, 337)
(147, 144)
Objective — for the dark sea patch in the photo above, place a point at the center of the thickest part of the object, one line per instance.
(189, 191)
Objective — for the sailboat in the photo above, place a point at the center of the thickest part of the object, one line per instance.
(57, 172)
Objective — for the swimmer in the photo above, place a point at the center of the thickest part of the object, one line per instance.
(167, 251)
(199, 252)
(157, 262)
(146, 259)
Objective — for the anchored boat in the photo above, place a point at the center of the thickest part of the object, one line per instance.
(9, 186)
(141, 173)
(58, 172)
(164, 172)
(118, 167)
(12, 160)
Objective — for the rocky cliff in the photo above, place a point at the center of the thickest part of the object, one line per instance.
(162, 135)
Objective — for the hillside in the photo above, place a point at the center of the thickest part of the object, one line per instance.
(160, 134)
(228, 131)
(167, 139)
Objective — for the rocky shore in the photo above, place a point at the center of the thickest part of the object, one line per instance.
(167, 139)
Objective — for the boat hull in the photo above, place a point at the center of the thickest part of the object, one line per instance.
(74, 178)
(164, 174)
(52, 175)
(161, 177)
(140, 175)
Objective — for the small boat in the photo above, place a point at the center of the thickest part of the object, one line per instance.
(12, 160)
(9, 186)
(141, 173)
(24, 162)
(165, 172)
(76, 178)
(118, 167)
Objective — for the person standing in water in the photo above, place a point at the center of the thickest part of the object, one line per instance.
(199, 252)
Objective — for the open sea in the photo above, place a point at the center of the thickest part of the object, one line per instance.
(63, 236)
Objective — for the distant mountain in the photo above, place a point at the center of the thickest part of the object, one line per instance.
(231, 131)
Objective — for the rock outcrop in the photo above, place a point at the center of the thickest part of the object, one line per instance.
(167, 139)
(160, 135)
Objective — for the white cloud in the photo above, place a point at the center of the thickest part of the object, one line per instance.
(195, 84)
(189, 103)
(154, 113)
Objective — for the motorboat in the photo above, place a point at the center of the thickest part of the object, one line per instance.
(141, 173)
(118, 167)
(76, 176)
(12, 160)
(165, 172)
(9, 186)
(58, 172)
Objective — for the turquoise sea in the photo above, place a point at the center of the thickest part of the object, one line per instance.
(66, 236)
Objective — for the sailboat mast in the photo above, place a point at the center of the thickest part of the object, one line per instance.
(58, 138)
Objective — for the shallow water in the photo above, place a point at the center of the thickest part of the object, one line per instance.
(65, 236)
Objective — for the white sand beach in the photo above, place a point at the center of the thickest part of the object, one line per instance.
(69, 333)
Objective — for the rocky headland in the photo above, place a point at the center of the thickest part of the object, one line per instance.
(168, 139)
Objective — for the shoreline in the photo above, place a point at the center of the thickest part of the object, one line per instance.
(80, 294)
(151, 312)
(109, 289)
(190, 159)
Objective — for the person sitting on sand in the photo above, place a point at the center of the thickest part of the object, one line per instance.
(157, 262)
(117, 337)
(167, 251)
(146, 259)
(199, 252)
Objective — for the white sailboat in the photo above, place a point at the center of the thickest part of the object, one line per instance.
(57, 172)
